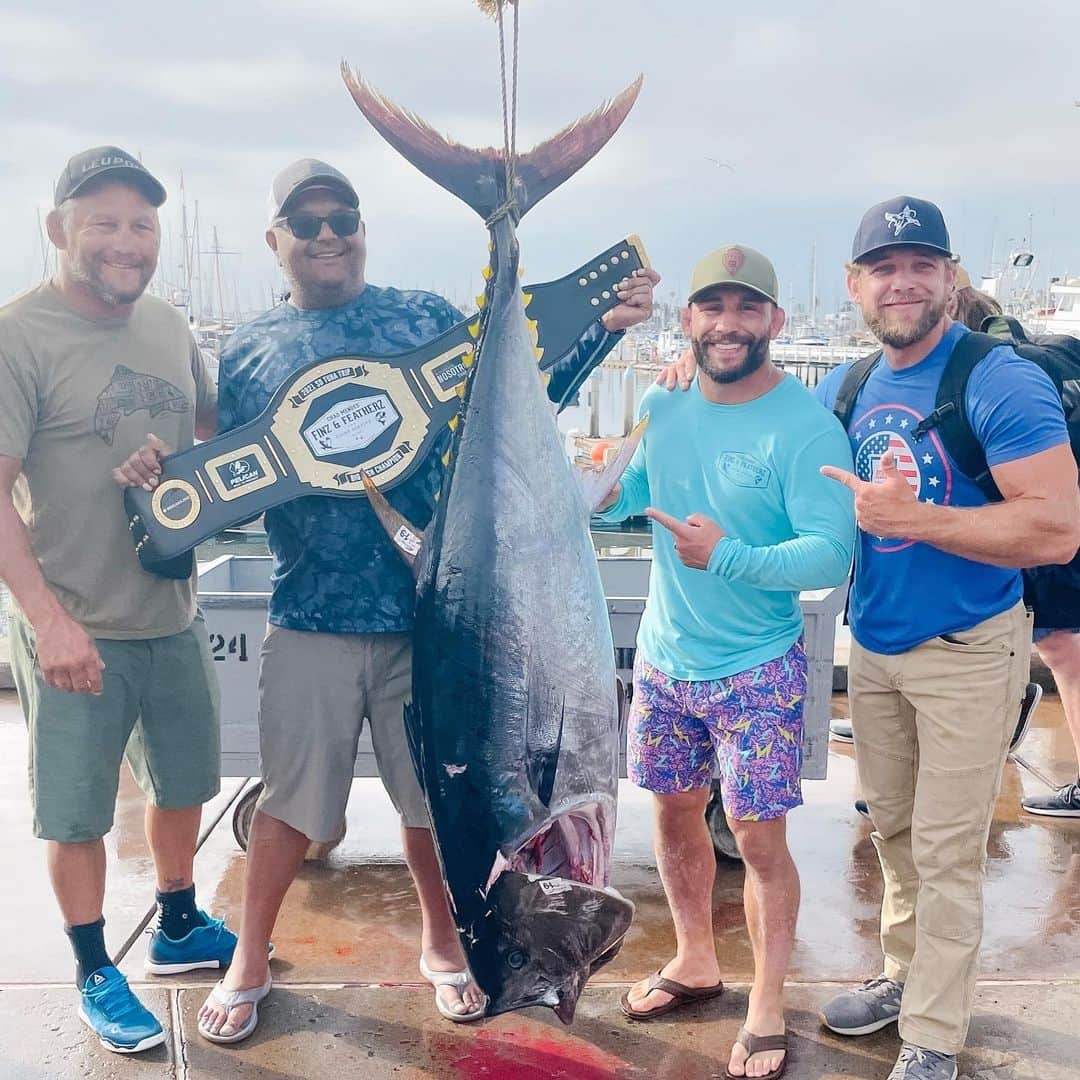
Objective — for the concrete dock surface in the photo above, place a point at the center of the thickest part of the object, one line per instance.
(349, 1001)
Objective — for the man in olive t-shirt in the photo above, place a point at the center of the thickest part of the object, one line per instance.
(107, 658)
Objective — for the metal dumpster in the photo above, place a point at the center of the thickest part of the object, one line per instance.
(233, 593)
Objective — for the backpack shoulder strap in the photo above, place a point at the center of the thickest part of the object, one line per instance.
(1006, 328)
(854, 380)
(950, 412)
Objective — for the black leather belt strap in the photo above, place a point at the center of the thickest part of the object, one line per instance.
(345, 414)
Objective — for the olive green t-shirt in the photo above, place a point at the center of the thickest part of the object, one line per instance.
(77, 397)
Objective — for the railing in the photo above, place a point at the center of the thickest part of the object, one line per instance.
(811, 363)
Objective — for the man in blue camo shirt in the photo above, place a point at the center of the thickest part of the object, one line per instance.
(339, 645)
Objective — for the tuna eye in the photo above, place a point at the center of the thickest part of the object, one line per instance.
(515, 959)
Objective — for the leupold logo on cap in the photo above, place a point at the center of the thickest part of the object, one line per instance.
(733, 260)
(108, 160)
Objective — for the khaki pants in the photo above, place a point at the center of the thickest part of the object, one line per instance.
(932, 728)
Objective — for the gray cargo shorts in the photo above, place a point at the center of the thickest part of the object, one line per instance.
(315, 692)
(158, 707)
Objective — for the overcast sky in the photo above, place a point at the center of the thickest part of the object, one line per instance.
(820, 113)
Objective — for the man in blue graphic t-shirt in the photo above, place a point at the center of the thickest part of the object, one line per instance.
(941, 638)
(339, 647)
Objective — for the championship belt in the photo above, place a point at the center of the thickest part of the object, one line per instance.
(338, 418)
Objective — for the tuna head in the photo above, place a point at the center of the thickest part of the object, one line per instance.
(542, 938)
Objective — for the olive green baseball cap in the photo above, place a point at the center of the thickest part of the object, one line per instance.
(735, 264)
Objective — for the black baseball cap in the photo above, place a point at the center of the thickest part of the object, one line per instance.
(108, 161)
(302, 175)
(901, 222)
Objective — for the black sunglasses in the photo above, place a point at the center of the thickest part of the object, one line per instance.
(306, 226)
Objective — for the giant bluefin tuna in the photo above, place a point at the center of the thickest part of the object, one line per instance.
(514, 721)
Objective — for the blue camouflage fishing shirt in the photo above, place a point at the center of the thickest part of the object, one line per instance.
(335, 569)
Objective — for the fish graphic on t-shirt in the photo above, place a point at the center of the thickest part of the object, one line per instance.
(130, 392)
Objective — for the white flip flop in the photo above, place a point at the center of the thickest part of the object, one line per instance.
(459, 980)
(229, 999)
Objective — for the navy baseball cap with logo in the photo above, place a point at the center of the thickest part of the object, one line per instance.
(112, 162)
(302, 175)
(901, 221)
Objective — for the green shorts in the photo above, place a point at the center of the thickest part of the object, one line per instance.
(159, 705)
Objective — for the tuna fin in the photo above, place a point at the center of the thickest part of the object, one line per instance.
(555, 160)
(477, 176)
(542, 752)
(405, 536)
(597, 486)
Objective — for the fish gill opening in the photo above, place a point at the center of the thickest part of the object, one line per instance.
(576, 845)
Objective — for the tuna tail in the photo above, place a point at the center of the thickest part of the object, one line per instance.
(477, 177)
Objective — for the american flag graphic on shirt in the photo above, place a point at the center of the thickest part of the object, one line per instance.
(922, 464)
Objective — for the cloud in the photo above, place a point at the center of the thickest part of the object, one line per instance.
(821, 112)
(37, 51)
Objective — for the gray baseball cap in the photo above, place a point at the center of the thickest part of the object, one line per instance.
(305, 174)
(112, 162)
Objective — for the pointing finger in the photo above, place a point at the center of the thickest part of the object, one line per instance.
(849, 480)
(670, 523)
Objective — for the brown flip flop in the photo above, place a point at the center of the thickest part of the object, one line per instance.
(759, 1044)
(680, 995)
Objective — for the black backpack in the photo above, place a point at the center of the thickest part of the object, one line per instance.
(1058, 355)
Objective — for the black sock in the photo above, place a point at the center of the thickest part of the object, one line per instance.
(177, 913)
(88, 942)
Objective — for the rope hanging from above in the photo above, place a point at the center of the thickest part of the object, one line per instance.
(509, 101)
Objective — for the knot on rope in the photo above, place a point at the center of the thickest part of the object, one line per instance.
(508, 209)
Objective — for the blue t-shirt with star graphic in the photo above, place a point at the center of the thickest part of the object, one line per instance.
(904, 592)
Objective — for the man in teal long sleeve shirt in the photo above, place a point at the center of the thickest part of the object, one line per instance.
(729, 471)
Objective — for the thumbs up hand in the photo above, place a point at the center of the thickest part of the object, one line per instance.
(885, 507)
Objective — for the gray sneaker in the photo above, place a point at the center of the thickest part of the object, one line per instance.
(1064, 802)
(916, 1063)
(875, 1005)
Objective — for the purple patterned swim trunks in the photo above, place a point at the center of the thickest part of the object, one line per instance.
(750, 724)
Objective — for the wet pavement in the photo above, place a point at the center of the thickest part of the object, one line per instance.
(349, 1000)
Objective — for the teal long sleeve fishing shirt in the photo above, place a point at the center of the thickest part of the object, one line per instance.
(754, 469)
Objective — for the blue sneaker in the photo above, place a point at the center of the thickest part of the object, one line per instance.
(209, 946)
(119, 1019)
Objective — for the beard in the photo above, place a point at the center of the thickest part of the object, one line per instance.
(900, 337)
(757, 352)
(88, 271)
